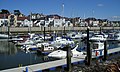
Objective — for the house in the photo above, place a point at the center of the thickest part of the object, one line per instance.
(59, 22)
(24, 21)
(12, 20)
(4, 19)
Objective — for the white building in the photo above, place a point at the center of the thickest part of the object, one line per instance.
(3, 22)
(4, 19)
(26, 23)
(59, 22)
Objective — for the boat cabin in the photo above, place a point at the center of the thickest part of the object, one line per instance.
(97, 48)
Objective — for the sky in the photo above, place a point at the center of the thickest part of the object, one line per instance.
(72, 8)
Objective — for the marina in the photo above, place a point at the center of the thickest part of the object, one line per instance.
(37, 61)
(52, 64)
(59, 36)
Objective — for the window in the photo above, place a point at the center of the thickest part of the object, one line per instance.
(56, 21)
(1, 21)
(95, 46)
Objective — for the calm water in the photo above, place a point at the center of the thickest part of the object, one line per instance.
(11, 56)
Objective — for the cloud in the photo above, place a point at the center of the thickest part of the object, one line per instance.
(100, 5)
(116, 17)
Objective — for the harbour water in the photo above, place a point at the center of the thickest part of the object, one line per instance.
(12, 56)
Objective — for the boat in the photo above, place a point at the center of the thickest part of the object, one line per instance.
(62, 41)
(98, 37)
(45, 47)
(4, 36)
(27, 42)
(47, 37)
(15, 39)
(75, 35)
(117, 36)
(28, 48)
(62, 54)
(37, 39)
(97, 48)
(32, 40)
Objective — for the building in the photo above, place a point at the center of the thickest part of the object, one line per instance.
(4, 19)
(24, 21)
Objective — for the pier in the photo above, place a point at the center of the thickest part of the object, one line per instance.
(53, 64)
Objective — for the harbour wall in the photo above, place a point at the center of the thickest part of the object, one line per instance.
(51, 29)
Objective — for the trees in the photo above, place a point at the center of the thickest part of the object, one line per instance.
(17, 12)
(3, 11)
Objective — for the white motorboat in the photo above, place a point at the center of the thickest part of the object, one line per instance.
(47, 37)
(29, 48)
(117, 36)
(37, 39)
(27, 42)
(15, 39)
(63, 41)
(98, 37)
(4, 36)
(31, 40)
(45, 47)
(75, 35)
(97, 48)
(63, 54)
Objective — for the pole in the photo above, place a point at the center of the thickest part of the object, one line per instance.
(30, 23)
(64, 30)
(100, 30)
(88, 48)
(8, 31)
(44, 33)
(68, 58)
(105, 50)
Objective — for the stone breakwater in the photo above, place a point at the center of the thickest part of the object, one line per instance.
(111, 65)
(108, 66)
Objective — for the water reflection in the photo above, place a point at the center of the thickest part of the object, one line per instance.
(12, 56)
(7, 48)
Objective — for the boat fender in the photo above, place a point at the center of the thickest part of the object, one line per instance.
(97, 53)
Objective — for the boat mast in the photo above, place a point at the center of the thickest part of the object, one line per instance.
(30, 24)
(63, 18)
